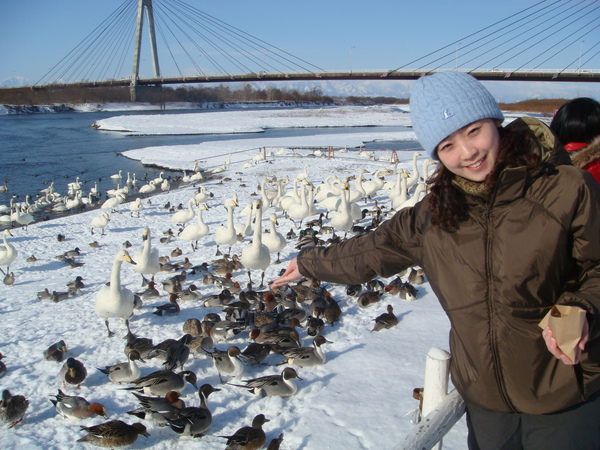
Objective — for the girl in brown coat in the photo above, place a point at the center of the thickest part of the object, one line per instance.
(509, 230)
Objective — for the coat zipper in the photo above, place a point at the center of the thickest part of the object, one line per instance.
(492, 309)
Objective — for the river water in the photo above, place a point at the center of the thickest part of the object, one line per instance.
(39, 148)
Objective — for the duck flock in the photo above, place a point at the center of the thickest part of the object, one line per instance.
(149, 318)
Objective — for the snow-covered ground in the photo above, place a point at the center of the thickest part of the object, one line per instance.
(362, 397)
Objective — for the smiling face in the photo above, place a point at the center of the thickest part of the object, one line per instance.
(471, 152)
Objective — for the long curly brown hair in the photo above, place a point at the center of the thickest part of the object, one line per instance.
(448, 203)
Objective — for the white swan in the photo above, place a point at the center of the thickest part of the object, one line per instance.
(357, 193)
(226, 235)
(412, 201)
(413, 177)
(342, 220)
(376, 183)
(100, 222)
(399, 194)
(256, 255)
(148, 188)
(113, 202)
(245, 229)
(146, 257)
(300, 211)
(115, 301)
(117, 176)
(274, 240)
(201, 195)
(136, 206)
(185, 215)
(8, 253)
(195, 231)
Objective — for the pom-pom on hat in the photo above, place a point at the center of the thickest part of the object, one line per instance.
(444, 102)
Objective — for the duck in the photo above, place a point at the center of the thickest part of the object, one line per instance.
(194, 421)
(385, 320)
(163, 381)
(226, 235)
(115, 301)
(227, 362)
(158, 409)
(255, 353)
(248, 438)
(178, 353)
(274, 240)
(114, 433)
(368, 298)
(408, 292)
(195, 231)
(144, 346)
(146, 257)
(100, 222)
(416, 276)
(273, 385)
(77, 283)
(9, 279)
(150, 292)
(56, 352)
(8, 253)
(73, 372)
(124, 372)
(185, 215)
(306, 356)
(76, 408)
(12, 408)
(256, 255)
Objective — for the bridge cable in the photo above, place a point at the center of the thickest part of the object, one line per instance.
(469, 36)
(251, 38)
(507, 30)
(72, 53)
(542, 39)
(245, 42)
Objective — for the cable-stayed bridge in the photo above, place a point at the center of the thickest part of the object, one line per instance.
(186, 45)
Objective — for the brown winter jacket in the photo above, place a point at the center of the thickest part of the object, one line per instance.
(536, 243)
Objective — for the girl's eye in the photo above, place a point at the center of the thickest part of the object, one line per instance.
(474, 130)
(445, 146)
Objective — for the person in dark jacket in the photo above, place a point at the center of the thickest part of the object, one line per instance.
(509, 230)
(576, 124)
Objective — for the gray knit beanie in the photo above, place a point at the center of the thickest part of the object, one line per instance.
(444, 102)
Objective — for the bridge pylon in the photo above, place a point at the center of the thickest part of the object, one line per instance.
(134, 88)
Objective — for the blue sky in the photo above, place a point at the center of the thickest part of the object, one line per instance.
(331, 34)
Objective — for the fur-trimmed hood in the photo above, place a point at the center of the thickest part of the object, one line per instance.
(586, 155)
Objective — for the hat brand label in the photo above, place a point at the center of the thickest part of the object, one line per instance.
(447, 114)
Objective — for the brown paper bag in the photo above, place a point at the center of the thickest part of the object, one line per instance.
(566, 323)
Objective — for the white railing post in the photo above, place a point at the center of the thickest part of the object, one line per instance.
(440, 409)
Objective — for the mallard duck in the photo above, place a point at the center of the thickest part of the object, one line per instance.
(114, 433)
(12, 408)
(56, 352)
(248, 438)
(194, 421)
(73, 372)
(115, 301)
(76, 408)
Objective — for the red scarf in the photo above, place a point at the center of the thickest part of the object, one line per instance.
(572, 146)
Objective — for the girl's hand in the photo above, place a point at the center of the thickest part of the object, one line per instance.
(291, 274)
(557, 352)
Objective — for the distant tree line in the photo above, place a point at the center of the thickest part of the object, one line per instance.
(152, 94)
